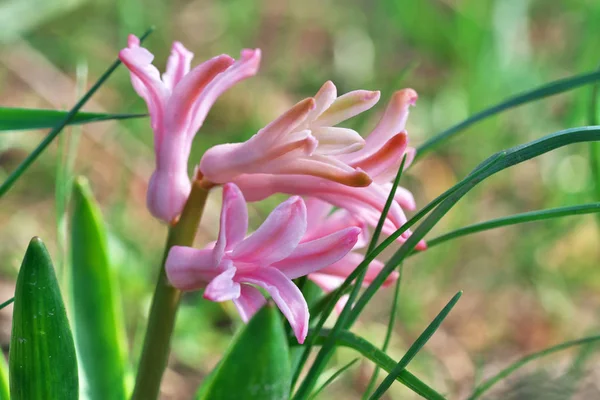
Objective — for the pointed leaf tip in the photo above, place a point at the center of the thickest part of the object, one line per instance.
(42, 361)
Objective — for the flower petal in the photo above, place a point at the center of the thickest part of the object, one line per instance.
(316, 254)
(250, 301)
(334, 140)
(324, 98)
(168, 191)
(347, 106)
(178, 65)
(233, 221)
(223, 287)
(286, 295)
(277, 237)
(243, 68)
(180, 107)
(146, 81)
(382, 164)
(317, 211)
(190, 269)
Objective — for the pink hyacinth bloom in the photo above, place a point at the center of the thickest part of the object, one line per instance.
(303, 141)
(321, 222)
(178, 104)
(268, 258)
(365, 203)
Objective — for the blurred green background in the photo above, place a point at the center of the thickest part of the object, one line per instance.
(525, 288)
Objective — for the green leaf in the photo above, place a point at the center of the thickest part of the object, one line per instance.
(388, 333)
(549, 89)
(13, 119)
(4, 393)
(97, 327)
(257, 364)
(486, 385)
(332, 378)
(42, 360)
(416, 347)
(364, 347)
(25, 164)
(515, 219)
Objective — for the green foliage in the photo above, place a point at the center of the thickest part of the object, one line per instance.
(97, 326)
(42, 359)
(257, 364)
(12, 119)
(4, 385)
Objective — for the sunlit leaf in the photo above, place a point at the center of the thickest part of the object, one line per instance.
(257, 364)
(42, 360)
(97, 327)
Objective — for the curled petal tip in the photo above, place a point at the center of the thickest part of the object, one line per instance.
(132, 40)
(371, 95)
(359, 179)
(247, 54)
(406, 96)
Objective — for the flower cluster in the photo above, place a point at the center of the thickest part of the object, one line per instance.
(301, 153)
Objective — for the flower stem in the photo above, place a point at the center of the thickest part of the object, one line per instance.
(165, 302)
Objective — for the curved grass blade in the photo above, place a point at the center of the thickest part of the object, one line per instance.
(550, 89)
(594, 146)
(364, 347)
(97, 325)
(516, 219)
(257, 364)
(388, 333)
(15, 119)
(323, 356)
(442, 204)
(486, 385)
(42, 360)
(7, 302)
(4, 391)
(360, 277)
(333, 378)
(416, 347)
(25, 164)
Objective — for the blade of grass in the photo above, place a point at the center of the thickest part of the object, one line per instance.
(388, 333)
(333, 378)
(492, 165)
(486, 385)
(16, 119)
(6, 303)
(318, 364)
(594, 146)
(25, 164)
(360, 276)
(515, 219)
(367, 349)
(416, 347)
(549, 89)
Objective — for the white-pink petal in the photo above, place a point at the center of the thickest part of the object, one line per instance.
(223, 287)
(249, 302)
(188, 268)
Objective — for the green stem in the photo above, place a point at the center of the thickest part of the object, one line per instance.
(165, 302)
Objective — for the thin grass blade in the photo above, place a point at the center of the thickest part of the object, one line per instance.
(7, 302)
(16, 119)
(550, 89)
(332, 378)
(25, 164)
(531, 216)
(487, 385)
(416, 347)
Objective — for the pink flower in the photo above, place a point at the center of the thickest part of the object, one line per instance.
(320, 223)
(269, 258)
(303, 141)
(380, 158)
(178, 104)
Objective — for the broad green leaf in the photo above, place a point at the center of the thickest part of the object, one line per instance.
(487, 384)
(348, 339)
(25, 164)
(13, 119)
(97, 329)
(3, 378)
(416, 347)
(549, 89)
(42, 360)
(257, 364)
